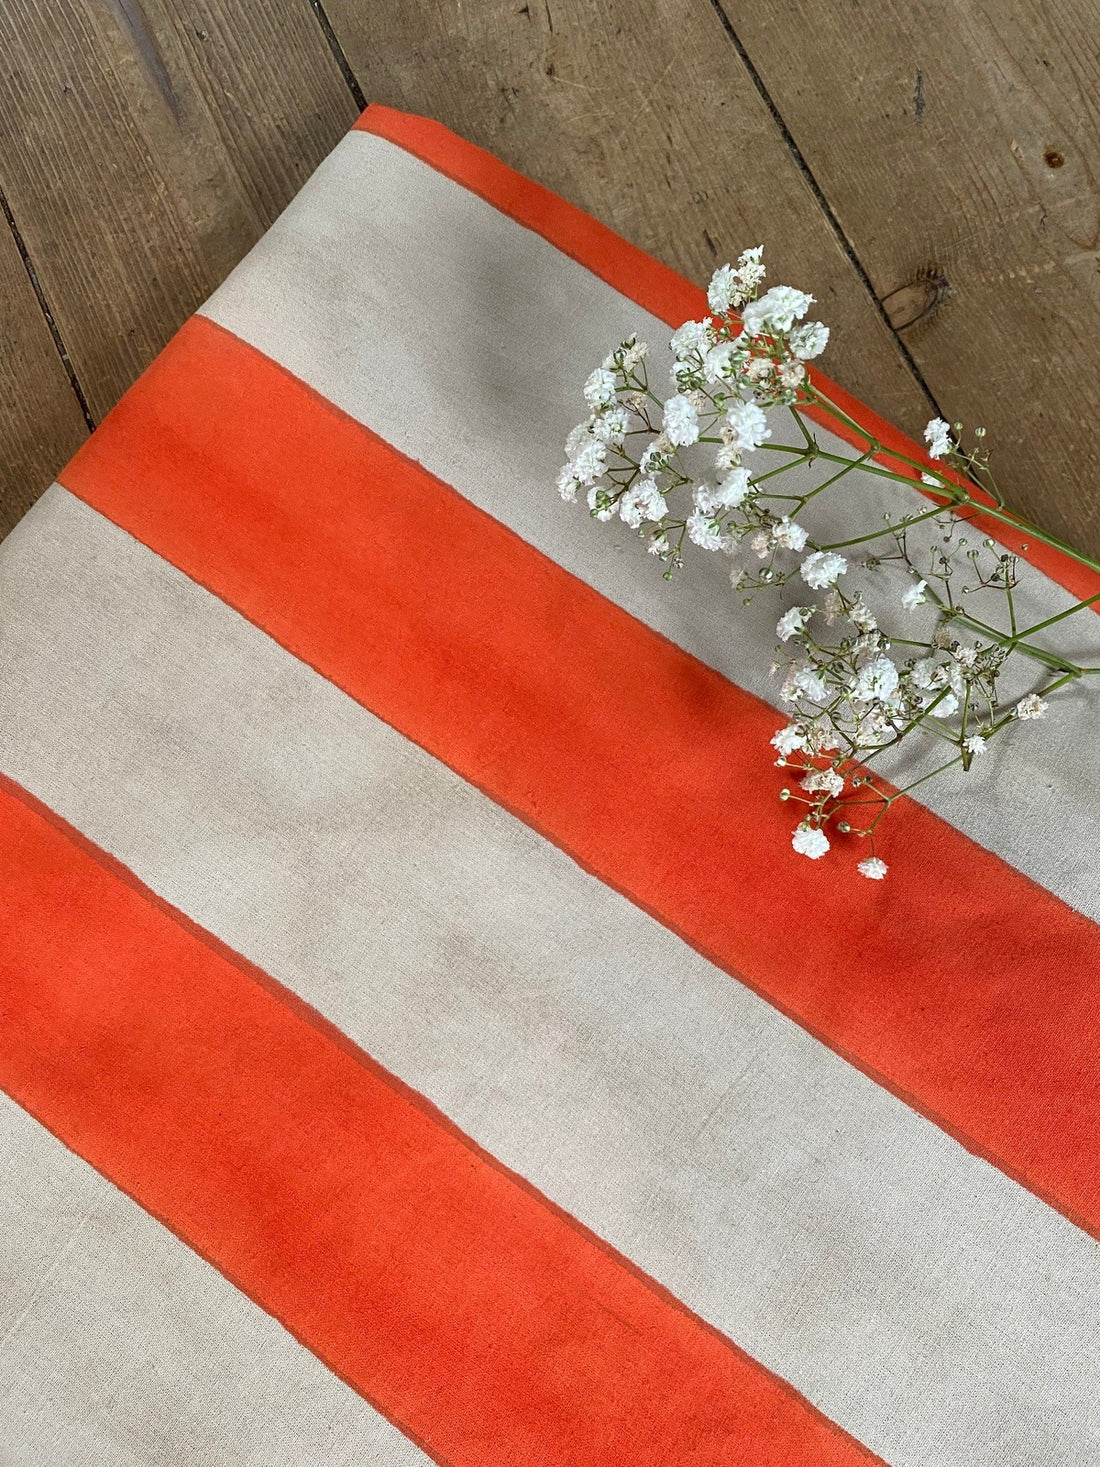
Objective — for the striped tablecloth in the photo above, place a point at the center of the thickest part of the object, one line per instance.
(418, 1039)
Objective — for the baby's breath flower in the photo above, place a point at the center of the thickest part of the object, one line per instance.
(578, 437)
(849, 697)
(833, 606)
(731, 286)
(1032, 706)
(599, 390)
(792, 622)
(722, 362)
(728, 456)
(788, 535)
(692, 336)
(803, 682)
(642, 501)
(927, 674)
(600, 503)
(823, 782)
(791, 374)
(869, 641)
(788, 740)
(657, 454)
(703, 531)
(776, 310)
(729, 494)
(876, 682)
(747, 425)
(722, 289)
(809, 341)
(685, 375)
(861, 615)
(750, 268)
(914, 596)
(822, 737)
(822, 569)
(873, 729)
(734, 488)
(568, 484)
(588, 461)
(681, 420)
(810, 840)
(758, 369)
(937, 435)
(627, 355)
(611, 425)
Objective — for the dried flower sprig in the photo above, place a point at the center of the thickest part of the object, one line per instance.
(854, 688)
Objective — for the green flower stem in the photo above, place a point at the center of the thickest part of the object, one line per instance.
(878, 534)
(1011, 643)
(759, 479)
(1040, 626)
(957, 494)
(908, 729)
(889, 799)
(1011, 609)
(951, 492)
(961, 502)
(957, 491)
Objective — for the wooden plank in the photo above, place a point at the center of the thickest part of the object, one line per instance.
(645, 116)
(144, 146)
(41, 423)
(963, 141)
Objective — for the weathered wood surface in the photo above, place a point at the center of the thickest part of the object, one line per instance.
(961, 143)
(41, 423)
(143, 148)
(929, 172)
(647, 117)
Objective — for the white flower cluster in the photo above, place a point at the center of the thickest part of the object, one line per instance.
(697, 475)
(726, 374)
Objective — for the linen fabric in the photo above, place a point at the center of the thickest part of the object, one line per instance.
(420, 1041)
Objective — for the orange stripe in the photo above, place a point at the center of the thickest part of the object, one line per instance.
(960, 984)
(485, 1323)
(668, 296)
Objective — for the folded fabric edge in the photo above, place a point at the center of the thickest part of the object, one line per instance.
(665, 293)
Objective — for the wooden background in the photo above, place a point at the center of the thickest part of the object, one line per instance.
(930, 170)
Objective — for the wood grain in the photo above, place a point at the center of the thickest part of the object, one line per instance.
(646, 117)
(144, 146)
(41, 424)
(931, 172)
(959, 147)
